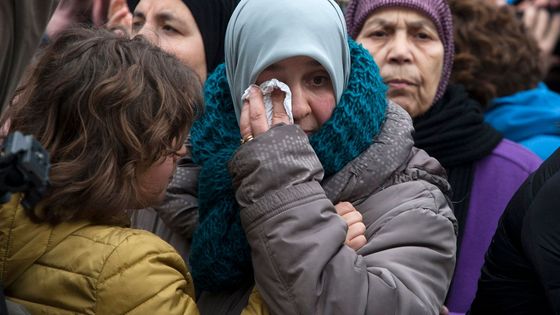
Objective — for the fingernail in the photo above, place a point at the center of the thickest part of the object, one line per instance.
(255, 88)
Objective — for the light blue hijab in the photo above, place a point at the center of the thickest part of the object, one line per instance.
(312, 28)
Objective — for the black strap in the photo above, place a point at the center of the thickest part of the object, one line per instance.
(3, 307)
(461, 178)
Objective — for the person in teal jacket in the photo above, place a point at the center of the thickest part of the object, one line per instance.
(530, 118)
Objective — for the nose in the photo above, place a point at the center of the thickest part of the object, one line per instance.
(400, 49)
(148, 33)
(300, 106)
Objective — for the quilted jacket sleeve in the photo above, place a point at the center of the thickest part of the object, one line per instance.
(300, 261)
(144, 275)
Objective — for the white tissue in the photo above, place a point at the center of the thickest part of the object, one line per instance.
(267, 87)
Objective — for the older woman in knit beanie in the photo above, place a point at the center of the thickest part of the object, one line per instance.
(412, 43)
(269, 207)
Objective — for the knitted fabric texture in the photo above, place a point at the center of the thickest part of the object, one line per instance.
(220, 256)
(438, 11)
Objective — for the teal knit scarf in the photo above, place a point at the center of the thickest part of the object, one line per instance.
(220, 256)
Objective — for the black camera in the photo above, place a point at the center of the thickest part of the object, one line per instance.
(24, 167)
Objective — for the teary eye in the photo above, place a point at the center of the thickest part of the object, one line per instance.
(319, 80)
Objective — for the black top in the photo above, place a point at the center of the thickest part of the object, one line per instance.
(454, 132)
(521, 273)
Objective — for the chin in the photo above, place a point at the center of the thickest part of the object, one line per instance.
(159, 199)
(151, 201)
(404, 102)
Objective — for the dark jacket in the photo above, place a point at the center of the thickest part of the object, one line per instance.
(521, 273)
(22, 23)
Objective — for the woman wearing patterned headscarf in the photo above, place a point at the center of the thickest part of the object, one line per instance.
(412, 42)
(267, 207)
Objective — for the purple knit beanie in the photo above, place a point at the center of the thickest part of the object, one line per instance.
(438, 11)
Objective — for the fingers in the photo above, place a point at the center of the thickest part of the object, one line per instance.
(343, 208)
(355, 236)
(279, 114)
(529, 19)
(553, 32)
(355, 230)
(114, 7)
(121, 21)
(352, 217)
(357, 242)
(257, 113)
(253, 120)
(118, 16)
(544, 26)
(541, 24)
(244, 121)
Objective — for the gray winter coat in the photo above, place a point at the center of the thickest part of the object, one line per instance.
(300, 262)
(297, 240)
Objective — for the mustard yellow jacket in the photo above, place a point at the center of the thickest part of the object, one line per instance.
(80, 268)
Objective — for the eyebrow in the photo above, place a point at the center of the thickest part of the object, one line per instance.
(166, 16)
(413, 24)
(163, 16)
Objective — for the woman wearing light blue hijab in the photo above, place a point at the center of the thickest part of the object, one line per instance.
(267, 207)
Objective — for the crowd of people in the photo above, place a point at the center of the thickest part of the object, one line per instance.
(284, 157)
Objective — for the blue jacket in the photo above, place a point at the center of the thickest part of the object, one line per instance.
(530, 118)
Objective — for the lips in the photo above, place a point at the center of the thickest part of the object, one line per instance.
(399, 83)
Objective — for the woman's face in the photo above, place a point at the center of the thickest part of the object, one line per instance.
(313, 99)
(153, 181)
(406, 46)
(170, 25)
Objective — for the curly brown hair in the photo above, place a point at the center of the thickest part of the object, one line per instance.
(494, 54)
(105, 108)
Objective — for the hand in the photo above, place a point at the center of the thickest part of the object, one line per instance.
(120, 18)
(253, 121)
(540, 3)
(355, 237)
(545, 27)
(443, 311)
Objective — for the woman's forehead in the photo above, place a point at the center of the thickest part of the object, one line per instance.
(163, 9)
(294, 61)
(394, 15)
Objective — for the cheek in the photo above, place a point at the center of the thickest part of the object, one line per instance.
(165, 171)
(431, 71)
(157, 177)
(190, 51)
(322, 106)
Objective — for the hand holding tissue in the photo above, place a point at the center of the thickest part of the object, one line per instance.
(267, 88)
